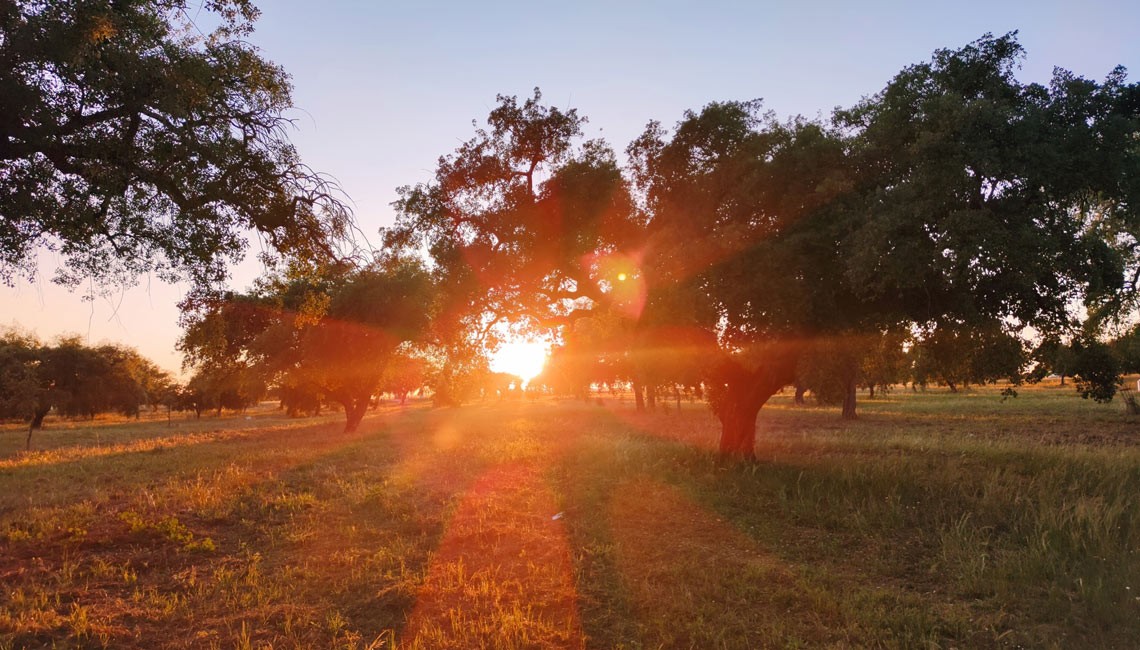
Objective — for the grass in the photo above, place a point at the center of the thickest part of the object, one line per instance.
(933, 521)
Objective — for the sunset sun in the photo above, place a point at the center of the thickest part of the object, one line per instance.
(522, 358)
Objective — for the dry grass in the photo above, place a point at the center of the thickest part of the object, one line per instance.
(935, 520)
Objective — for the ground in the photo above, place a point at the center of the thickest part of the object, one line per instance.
(935, 520)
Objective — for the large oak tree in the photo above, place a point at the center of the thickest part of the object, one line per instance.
(132, 141)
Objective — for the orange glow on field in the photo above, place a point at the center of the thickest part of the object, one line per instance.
(522, 358)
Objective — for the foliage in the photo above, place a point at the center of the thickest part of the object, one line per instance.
(132, 142)
(1096, 369)
(74, 379)
(314, 331)
(404, 374)
(959, 357)
(946, 201)
(21, 388)
(522, 224)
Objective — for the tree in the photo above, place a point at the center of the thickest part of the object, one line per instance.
(1096, 370)
(948, 200)
(956, 199)
(22, 391)
(404, 374)
(1052, 356)
(959, 356)
(524, 224)
(131, 142)
(329, 329)
(741, 230)
(73, 378)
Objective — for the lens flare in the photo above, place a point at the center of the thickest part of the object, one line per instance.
(522, 358)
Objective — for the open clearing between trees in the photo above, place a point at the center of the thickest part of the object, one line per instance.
(935, 520)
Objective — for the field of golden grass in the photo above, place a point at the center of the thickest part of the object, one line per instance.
(934, 521)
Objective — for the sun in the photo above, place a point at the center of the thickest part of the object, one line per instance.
(522, 358)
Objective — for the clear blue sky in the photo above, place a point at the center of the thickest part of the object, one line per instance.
(385, 88)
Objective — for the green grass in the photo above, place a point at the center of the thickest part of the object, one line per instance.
(933, 521)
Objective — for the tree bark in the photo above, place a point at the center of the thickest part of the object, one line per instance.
(738, 427)
(745, 392)
(849, 400)
(354, 410)
(37, 420)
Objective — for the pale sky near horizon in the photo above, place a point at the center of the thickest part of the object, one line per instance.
(383, 89)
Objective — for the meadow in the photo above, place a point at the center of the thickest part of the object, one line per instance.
(935, 520)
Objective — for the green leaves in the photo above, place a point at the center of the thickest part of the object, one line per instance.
(131, 143)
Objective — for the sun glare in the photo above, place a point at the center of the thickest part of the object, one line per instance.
(522, 358)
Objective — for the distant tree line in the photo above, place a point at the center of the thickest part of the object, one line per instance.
(76, 380)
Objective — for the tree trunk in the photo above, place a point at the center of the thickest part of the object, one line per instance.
(37, 420)
(849, 400)
(638, 398)
(871, 391)
(745, 393)
(799, 398)
(354, 410)
(738, 428)
(953, 387)
(1062, 379)
(677, 395)
(28, 442)
(651, 397)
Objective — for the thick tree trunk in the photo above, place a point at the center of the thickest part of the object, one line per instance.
(738, 428)
(745, 393)
(849, 400)
(354, 410)
(799, 398)
(638, 397)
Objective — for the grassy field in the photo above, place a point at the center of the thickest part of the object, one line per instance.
(934, 521)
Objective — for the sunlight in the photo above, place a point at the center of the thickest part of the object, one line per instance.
(522, 358)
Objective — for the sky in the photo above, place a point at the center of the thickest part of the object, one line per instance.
(383, 89)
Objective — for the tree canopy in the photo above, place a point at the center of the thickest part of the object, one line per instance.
(131, 141)
(956, 200)
(74, 379)
(330, 332)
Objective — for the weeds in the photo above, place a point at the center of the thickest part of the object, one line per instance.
(933, 521)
